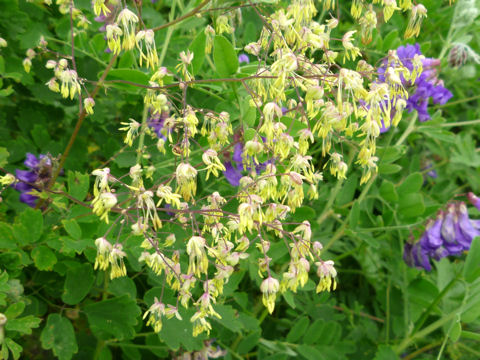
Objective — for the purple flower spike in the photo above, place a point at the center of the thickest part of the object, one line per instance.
(38, 175)
(243, 58)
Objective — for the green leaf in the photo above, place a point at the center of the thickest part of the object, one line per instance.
(389, 154)
(304, 213)
(471, 270)
(411, 205)
(248, 342)
(40, 136)
(388, 192)
(14, 348)
(4, 154)
(438, 133)
(354, 215)
(466, 153)
(248, 114)
(23, 325)
(229, 318)
(289, 298)
(456, 330)
(412, 184)
(78, 282)
(298, 329)
(385, 352)
(7, 240)
(197, 47)
(113, 317)
(78, 185)
(126, 159)
(29, 226)
(310, 353)
(72, 228)
(471, 312)
(390, 40)
(126, 60)
(44, 258)
(348, 191)
(15, 310)
(58, 335)
(249, 134)
(179, 332)
(71, 245)
(123, 285)
(224, 56)
(387, 169)
(314, 331)
(136, 77)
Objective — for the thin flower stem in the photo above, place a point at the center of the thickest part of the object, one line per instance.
(77, 50)
(408, 131)
(461, 123)
(427, 330)
(422, 350)
(142, 134)
(470, 335)
(169, 34)
(468, 348)
(452, 103)
(434, 303)
(186, 16)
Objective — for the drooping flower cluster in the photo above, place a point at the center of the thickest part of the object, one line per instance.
(34, 179)
(421, 88)
(294, 101)
(70, 83)
(450, 233)
(109, 256)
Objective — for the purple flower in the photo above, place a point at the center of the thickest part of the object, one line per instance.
(474, 200)
(450, 233)
(232, 174)
(34, 179)
(427, 165)
(156, 123)
(415, 256)
(243, 58)
(467, 231)
(28, 199)
(432, 238)
(384, 129)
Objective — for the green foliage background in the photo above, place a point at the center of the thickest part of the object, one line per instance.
(58, 306)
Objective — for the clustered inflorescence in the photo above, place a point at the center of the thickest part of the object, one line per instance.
(33, 180)
(300, 99)
(450, 233)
